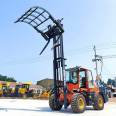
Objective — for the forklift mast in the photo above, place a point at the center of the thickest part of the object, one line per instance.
(50, 29)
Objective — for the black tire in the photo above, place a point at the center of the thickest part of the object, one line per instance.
(54, 105)
(98, 103)
(78, 103)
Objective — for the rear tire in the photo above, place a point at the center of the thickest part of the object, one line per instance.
(98, 103)
(78, 103)
(54, 105)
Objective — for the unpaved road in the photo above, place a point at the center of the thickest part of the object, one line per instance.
(24, 107)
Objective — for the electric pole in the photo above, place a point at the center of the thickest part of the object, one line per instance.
(96, 59)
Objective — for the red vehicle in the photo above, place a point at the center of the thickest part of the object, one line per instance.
(81, 90)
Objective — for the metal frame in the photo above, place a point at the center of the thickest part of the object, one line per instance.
(36, 17)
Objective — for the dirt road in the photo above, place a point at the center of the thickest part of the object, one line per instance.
(20, 107)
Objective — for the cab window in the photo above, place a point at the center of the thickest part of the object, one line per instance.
(71, 76)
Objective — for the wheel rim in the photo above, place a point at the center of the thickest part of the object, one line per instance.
(100, 102)
(81, 104)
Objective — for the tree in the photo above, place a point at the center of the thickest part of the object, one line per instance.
(5, 78)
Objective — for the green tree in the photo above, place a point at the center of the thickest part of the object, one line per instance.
(5, 78)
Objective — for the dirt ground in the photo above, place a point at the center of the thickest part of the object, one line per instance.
(30, 107)
(112, 100)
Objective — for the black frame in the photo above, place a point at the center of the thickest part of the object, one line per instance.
(36, 17)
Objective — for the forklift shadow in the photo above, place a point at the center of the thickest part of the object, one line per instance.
(68, 110)
(44, 109)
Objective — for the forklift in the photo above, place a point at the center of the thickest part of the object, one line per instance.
(71, 86)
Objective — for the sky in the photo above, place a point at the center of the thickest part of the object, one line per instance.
(86, 23)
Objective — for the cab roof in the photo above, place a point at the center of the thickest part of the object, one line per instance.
(76, 68)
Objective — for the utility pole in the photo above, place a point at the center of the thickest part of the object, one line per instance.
(115, 81)
(95, 60)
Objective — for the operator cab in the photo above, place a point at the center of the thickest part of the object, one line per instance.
(79, 78)
(71, 76)
(26, 86)
(4, 87)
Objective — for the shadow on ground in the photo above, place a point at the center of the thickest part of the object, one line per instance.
(43, 109)
(68, 110)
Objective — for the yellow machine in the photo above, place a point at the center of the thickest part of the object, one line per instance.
(3, 89)
(45, 95)
(22, 90)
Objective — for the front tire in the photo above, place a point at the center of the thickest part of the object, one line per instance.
(78, 103)
(98, 103)
(54, 105)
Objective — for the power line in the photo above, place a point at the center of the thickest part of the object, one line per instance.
(109, 56)
(108, 71)
(81, 50)
(89, 49)
(24, 61)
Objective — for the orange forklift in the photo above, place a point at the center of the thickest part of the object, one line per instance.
(76, 87)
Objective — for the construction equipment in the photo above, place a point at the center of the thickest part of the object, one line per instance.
(112, 90)
(22, 90)
(15, 91)
(77, 91)
(3, 90)
(44, 95)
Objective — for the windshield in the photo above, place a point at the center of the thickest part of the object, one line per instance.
(18, 86)
(25, 86)
(4, 87)
(71, 76)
